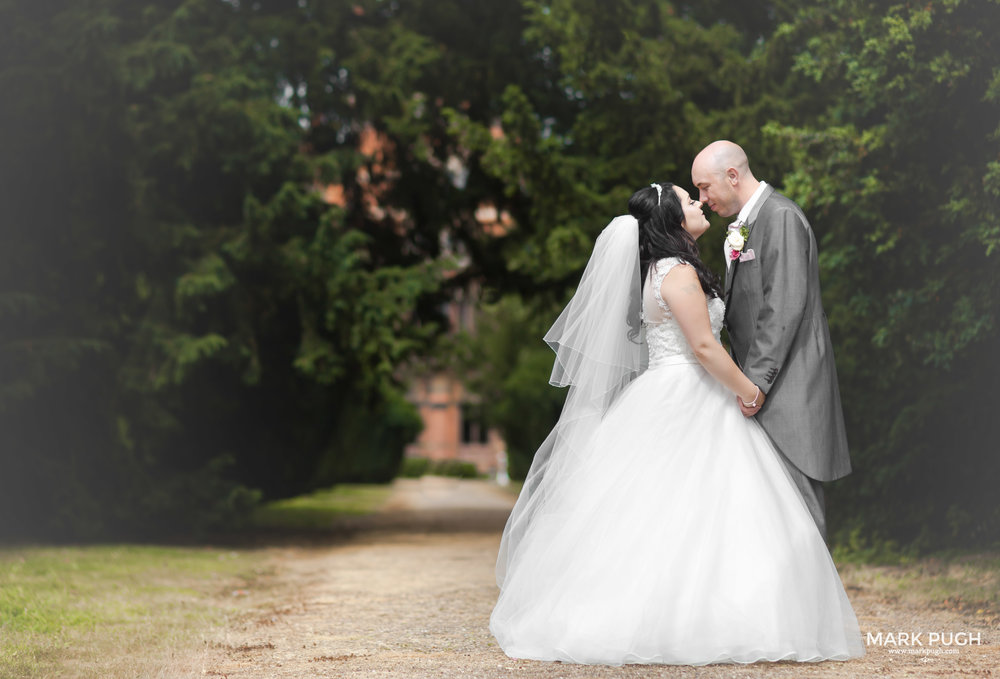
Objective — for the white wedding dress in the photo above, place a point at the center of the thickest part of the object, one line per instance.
(676, 536)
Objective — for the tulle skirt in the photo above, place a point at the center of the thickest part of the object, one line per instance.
(676, 537)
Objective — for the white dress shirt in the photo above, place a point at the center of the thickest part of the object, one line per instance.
(742, 217)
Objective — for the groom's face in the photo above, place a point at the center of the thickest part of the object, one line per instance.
(716, 190)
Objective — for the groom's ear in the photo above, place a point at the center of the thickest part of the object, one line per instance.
(732, 175)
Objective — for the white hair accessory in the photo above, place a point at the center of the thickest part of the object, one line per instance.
(659, 192)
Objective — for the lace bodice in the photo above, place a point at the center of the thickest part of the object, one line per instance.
(663, 334)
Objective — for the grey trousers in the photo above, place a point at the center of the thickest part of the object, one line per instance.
(811, 491)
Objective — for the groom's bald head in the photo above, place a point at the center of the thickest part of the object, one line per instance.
(722, 155)
(721, 173)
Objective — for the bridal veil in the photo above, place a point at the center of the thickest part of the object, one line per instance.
(598, 350)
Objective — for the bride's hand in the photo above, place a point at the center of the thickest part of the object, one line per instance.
(750, 410)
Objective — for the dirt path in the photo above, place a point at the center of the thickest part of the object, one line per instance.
(409, 594)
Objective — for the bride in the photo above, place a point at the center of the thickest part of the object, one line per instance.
(657, 524)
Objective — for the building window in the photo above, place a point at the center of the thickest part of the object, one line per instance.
(474, 429)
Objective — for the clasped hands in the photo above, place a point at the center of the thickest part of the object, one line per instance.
(752, 408)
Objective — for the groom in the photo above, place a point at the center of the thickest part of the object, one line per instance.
(774, 316)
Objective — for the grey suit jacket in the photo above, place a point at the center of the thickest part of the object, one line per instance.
(781, 340)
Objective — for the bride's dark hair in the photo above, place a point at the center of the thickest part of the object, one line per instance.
(661, 234)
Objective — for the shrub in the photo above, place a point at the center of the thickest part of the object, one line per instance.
(456, 468)
(414, 467)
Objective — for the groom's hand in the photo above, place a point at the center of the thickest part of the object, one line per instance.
(750, 411)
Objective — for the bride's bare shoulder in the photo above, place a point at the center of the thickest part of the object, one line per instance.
(682, 279)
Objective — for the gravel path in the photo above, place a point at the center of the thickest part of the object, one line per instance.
(408, 593)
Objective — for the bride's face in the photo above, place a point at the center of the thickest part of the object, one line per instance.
(694, 222)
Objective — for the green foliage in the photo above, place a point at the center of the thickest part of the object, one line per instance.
(856, 547)
(380, 429)
(895, 175)
(415, 467)
(626, 87)
(880, 120)
(187, 325)
(455, 468)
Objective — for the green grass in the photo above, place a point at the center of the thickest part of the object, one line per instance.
(322, 508)
(514, 487)
(105, 611)
(113, 611)
(964, 581)
(968, 583)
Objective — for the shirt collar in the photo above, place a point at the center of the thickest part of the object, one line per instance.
(748, 208)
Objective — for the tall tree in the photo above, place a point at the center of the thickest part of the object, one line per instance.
(621, 93)
(186, 319)
(899, 173)
(881, 120)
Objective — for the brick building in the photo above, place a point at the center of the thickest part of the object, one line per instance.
(453, 417)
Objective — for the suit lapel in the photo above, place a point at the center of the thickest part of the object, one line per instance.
(752, 217)
(734, 267)
(751, 221)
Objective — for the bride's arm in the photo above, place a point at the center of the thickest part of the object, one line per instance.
(682, 292)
